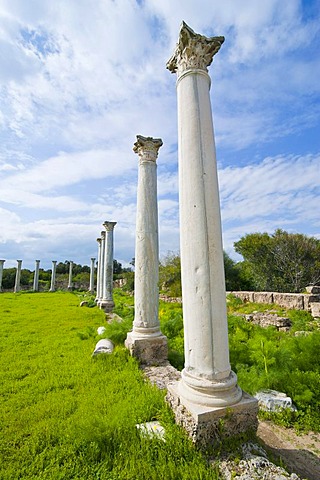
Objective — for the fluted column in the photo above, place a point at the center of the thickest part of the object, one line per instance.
(207, 377)
(91, 283)
(53, 276)
(98, 270)
(36, 277)
(18, 276)
(146, 340)
(70, 284)
(207, 381)
(107, 302)
(1, 273)
(102, 265)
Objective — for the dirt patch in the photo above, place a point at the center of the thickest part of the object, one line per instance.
(299, 453)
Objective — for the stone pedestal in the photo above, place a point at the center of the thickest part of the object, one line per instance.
(70, 284)
(1, 273)
(18, 276)
(36, 277)
(91, 283)
(146, 341)
(211, 425)
(53, 276)
(106, 302)
(207, 381)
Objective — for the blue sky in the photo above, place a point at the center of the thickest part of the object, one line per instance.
(80, 79)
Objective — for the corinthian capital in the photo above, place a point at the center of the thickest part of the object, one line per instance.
(109, 226)
(193, 51)
(147, 148)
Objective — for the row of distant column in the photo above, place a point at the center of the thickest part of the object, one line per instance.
(17, 285)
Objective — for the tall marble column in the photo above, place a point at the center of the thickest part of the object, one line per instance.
(70, 285)
(98, 270)
(146, 340)
(36, 277)
(53, 276)
(207, 379)
(1, 273)
(91, 283)
(18, 276)
(102, 265)
(107, 302)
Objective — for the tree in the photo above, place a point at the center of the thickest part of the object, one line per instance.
(282, 261)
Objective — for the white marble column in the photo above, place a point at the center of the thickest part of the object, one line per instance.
(98, 270)
(36, 277)
(53, 276)
(208, 387)
(1, 273)
(70, 285)
(18, 276)
(207, 377)
(107, 302)
(91, 283)
(102, 265)
(146, 340)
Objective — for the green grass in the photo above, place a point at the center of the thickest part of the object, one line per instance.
(67, 415)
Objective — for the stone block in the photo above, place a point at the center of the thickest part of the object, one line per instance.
(308, 299)
(315, 309)
(273, 401)
(313, 289)
(101, 330)
(148, 350)
(244, 296)
(208, 426)
(103, 346)
(289, 300)
(263, 297)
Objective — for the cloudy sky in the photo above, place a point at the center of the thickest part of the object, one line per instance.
(79, 79)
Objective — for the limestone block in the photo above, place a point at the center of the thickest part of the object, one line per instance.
(209, 425)
(244, 296)
(103, 346)
(289, 300)
(308, 299)
(273, 401)
(315, 309)
(148, 350)
(313, 289)
(263, 297)
(152, 430)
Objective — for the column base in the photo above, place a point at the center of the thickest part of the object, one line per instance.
(208, 426)
(151, 350)
(106, 305)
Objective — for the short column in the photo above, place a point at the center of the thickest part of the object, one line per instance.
(18, 277)
(208, 385)
(91, 283)
(146, 341)
(53, 276)
(36, 277)
(107, 302)
(70, 284)
(1, 273)
(98, 270)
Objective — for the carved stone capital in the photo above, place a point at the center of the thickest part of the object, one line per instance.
(109, 226)
(103, 235)
(193, 51)
(147, 148)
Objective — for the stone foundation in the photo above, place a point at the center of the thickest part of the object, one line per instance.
(148, 350)
(209, 426)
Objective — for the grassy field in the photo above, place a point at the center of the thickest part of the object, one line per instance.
(66, 415)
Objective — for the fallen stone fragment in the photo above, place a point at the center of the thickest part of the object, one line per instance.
(273, 401)
(103, 346)
(101, 330)
(152, 429)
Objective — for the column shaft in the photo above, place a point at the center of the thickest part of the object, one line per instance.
(91, 283)
(70, 285)
(53, 276)
(18, 276)
(107, 302)
(36, 277)
(98, 270)
(102, 266)
(1, 273)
